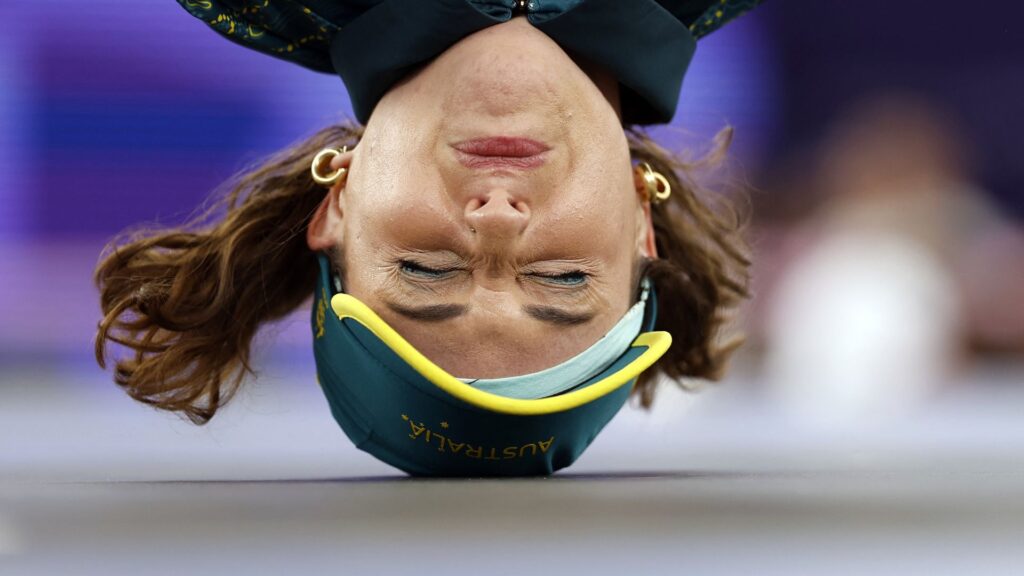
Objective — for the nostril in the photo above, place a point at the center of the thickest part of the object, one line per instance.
(494, 201)
(496, 215)
(475, 204)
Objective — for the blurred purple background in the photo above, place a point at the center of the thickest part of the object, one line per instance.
(118, 114)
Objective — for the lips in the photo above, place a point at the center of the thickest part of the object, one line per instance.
(501, 152)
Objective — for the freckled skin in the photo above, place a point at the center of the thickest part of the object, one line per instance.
(408, 196)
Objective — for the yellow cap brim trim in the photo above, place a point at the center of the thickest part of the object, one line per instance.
(347, 306)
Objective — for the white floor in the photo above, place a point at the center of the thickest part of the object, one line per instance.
(723, 481)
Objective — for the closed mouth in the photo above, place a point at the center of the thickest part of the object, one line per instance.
(501, 152)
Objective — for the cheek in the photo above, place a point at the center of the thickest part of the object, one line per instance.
(601, 174)
(405, 216)
(601, 210)
(394, 185)
(394, 162)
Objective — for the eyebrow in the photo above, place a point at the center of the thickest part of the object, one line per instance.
(440, 312)
(431, 313)
(558, 316)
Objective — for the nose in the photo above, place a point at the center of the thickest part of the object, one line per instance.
(497, 215)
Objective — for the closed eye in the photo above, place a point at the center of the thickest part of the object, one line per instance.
(574, 278)
(425, 272)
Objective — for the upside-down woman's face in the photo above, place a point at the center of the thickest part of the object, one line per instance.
(490, 213)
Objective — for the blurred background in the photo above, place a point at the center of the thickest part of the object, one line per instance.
(877, 144)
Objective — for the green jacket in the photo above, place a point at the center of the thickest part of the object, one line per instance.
(371, 44)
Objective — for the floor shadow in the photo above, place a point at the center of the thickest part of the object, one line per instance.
(618, 476)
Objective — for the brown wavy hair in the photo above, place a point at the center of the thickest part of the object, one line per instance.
(187, 302)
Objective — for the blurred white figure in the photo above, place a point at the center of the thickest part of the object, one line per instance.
(867, 320)
(861, 329)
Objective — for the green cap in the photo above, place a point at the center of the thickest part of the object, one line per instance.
(402, 408)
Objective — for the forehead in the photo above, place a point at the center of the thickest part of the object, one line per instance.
(488, 343)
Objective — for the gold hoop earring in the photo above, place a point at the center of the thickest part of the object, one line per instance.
(656, 186)
(328, 154)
